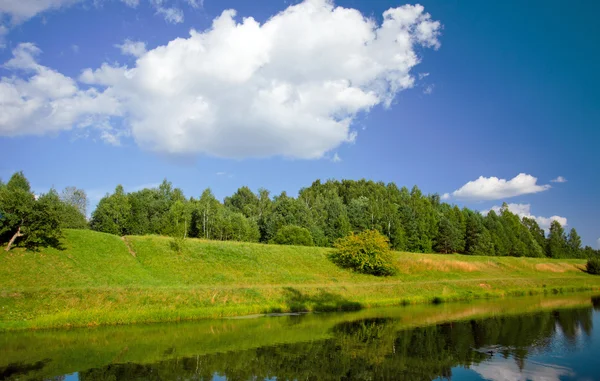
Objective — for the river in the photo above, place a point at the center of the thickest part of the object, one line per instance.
(532, 338)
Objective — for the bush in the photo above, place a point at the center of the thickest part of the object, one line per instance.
(593, 266)
(367, 252)
(293, 235)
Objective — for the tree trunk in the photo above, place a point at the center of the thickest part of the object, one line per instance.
(14, 237)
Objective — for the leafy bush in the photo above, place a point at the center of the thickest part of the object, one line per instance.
(367, 252)
(293, 235)
(593, 266)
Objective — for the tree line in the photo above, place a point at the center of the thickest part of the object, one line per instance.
(320, 215)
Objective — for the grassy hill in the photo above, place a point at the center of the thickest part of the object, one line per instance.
(102, 279)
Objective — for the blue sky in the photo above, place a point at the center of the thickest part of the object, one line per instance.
(480, 92)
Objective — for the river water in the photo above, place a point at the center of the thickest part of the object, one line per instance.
(544, 338)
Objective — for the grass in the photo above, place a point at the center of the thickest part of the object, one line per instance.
(98, 280)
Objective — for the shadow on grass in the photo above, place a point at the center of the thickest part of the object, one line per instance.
(322, 301)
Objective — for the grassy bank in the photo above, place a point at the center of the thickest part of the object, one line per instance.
(102, 279)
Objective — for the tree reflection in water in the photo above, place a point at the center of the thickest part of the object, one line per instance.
(374, 349)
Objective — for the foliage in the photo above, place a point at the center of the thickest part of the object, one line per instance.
(593, 266)
(411, 220)
(367, 252)
(557, 241)
(25, 220)
(112, 213)
(293, 235)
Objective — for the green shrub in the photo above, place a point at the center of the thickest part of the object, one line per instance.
(293, 235)
(593, 266)
(367, 252)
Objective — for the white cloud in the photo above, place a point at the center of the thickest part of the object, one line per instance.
(524, 210)
(172, 15)
(493, 188)
(428, 89)
(75, 48)
(133, 48)
(291, 86)
(446, 196)
(22, 10)
(131, 3)
(336, 158)
(15, 12)
(47, 101)
(195, 3)
(423, 75)
(559, 179)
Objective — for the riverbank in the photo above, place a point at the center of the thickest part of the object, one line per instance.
(100, 279)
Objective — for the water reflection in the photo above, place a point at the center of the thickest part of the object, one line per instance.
(544, 345)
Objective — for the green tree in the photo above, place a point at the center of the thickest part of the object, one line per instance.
(536, 231)
(574, 244)
(367, 252)
(112, 213)
(448, 236)
(244, 201)
(557, 241)
(293, 235)
(33, 222)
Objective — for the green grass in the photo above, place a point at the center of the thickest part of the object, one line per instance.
(96, 281)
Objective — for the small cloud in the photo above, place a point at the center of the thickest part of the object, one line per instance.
(423, 75)
(446, 196)
(559, 179)
(524, 210)
(428, 89)
(75, 48)
(493, 188)
(336, 158)
(195, 3)
(133, 48)
(131, 3)
(171, 15)
(221, 173)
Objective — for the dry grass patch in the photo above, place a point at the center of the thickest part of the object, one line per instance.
(556, 267)
(448, 265)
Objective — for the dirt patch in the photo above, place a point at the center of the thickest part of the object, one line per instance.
(485, 285)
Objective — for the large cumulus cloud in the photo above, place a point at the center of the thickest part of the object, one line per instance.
(291, 86)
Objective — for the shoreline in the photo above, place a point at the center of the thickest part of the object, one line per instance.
(95, 281)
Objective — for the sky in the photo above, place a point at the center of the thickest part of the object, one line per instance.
(480, 102)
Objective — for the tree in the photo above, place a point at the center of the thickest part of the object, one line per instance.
(367, 252)
(574, 244)
(536, 231)
(245, 202)
(76, 198)
(112, 213)
(33, 222)
(557, 241)
(293, 235)
(448, 236)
